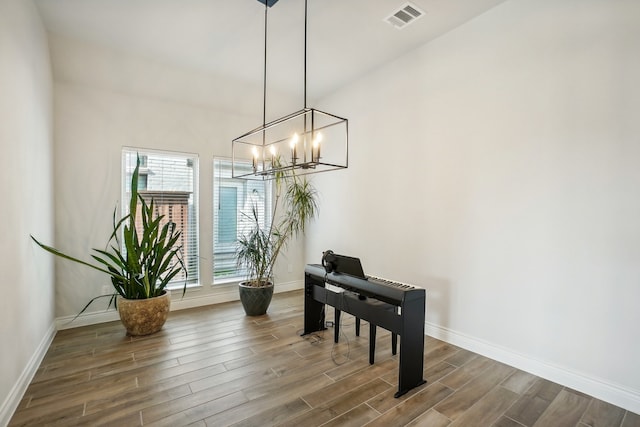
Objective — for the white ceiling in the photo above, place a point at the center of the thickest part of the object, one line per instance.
(346, 38)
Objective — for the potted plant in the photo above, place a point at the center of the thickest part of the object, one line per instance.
(258, 250)
(141, 268)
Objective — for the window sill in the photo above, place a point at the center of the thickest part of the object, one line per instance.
(179, 288)
(228, 281)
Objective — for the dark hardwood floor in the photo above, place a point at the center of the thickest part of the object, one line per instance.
(214, 366)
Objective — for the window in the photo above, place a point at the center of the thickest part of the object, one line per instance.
(170, 179)
(233, 201)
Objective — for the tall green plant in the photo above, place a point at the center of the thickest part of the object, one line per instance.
(258, 250)
(145, 261)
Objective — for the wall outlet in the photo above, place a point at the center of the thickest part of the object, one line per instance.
(290, 268)
(106, 289)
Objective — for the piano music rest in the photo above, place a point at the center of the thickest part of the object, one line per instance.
(407, 321)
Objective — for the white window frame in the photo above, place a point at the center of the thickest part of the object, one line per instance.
(241, 184)
(193, 263)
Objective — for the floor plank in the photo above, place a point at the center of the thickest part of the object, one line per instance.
(534, 402)
(488, 409)
(505, 421)
(431, 418)
(631, 420)
(565, 410)
(413, 407)
(276, 415)
(465, 397)
(340, 405)
(602, 414)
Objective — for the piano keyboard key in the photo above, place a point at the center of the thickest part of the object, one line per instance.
(393, 283)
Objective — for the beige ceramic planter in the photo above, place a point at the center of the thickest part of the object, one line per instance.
(144, 316)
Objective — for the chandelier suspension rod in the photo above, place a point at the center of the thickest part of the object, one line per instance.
(305, 53)
(264, 75)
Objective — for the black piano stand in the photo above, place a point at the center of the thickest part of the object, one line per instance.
(372, 336)
(409, 324)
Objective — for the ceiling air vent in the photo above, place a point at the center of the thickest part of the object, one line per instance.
(405, 15)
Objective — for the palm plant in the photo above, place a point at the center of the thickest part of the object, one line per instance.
(258, 250)
(149, 259)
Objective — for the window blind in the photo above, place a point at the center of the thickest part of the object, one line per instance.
(233, 202)
(170, 180)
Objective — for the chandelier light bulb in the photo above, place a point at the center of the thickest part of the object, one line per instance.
(315, 149)
(255, 159)
(294, 148)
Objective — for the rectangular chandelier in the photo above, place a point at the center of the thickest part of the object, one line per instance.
(307, 141)
(304, 142)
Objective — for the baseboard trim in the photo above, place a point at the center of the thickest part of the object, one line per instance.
(12, 401)
(615, 394)
(224, 293)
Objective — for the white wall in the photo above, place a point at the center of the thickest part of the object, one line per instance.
(26, 283)
(101, 105)
(498, 167)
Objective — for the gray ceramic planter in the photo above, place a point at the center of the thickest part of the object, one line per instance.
(255, 300)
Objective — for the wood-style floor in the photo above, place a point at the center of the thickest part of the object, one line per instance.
(214, 366)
